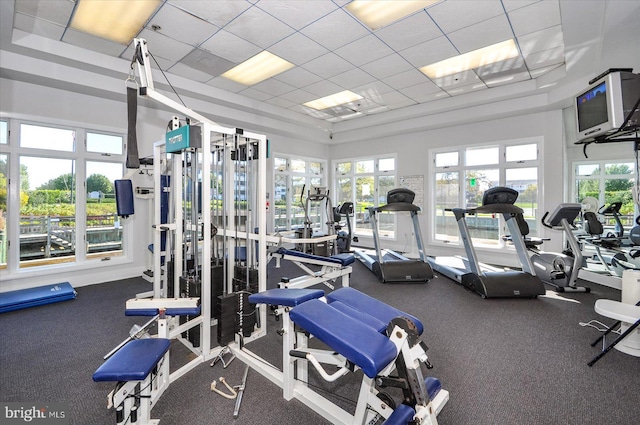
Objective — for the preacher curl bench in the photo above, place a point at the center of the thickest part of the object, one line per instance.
(361, 333)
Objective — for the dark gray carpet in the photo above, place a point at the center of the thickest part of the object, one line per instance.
(506, 361)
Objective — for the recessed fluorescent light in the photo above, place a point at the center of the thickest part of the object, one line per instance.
(333, 100)
(115, 20)
(258, 68)
(378, 13)
(474, 59)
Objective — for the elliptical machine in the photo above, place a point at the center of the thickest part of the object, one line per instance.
(556, 269)
(343, 239)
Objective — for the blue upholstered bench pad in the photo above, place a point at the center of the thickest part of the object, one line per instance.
(134, 361)
(285, 296)
(339, 259)
(358, 342)
(400, 416)
(363, 302)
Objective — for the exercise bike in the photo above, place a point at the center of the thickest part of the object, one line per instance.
(560, 270)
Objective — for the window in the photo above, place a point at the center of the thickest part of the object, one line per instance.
(4, 172)
(607, 182)
(462, 175)
(66, 211)
(293, 178)
(365, 182)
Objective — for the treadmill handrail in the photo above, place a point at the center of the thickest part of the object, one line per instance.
(491, 209)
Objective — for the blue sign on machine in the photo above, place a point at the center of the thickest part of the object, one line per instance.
(182, 138)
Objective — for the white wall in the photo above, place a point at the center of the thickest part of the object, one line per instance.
(413, 159)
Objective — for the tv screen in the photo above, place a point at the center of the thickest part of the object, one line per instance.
(592, 107)
(608, 106)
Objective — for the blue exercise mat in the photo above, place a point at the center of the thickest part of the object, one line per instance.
(31, 297)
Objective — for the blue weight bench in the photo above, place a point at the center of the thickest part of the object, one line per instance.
(332, 268)
(141, 370)
(32, 297)
(354, 327)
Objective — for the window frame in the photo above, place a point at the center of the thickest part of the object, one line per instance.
(462, 169)
(80, 260)
(391, 233)
(292, 198)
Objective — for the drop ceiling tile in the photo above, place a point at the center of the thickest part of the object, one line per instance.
(297, 14)
(545, 58)
(421, 90)
(535, 17)
(405, 79)
(281, 102)
(230, 47)
(310, 111)
(298, 77)
(352, 78)
(454, 15)
(541, 40)
(218, 13)
(190, 73)
(410, 31)
(226, 84)
(373, 91)
(387, 66)
(458, 90)
(482, 34)
(91, 42)
(55, 11)
(297, 49)
(509, 65)
(182, 26)
(510, 5)
(256, 94)
(328, 65)
(299, 96)
(259, 28)
(535, 73)
(37, 26)
(429, 52)
(364, 50)
(165, 47)
(335, 30)
(207, 62)
(323, 88)
(273, 87)
(501, 80)
(396, 100)
(457, 80)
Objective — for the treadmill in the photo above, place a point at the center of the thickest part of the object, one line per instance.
(486, 281)
(390, 266)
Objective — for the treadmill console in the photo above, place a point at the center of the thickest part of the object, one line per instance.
(400, 194)
(499, 195)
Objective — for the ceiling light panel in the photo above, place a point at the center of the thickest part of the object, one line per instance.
(115, 20)
(474, 59)
(379, 13)
(258, 68)
(333, 100)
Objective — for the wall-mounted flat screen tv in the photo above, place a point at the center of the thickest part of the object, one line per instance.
(603, 107)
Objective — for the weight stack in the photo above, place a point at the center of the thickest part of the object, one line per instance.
(227, 312)
(240, 275)
(190, 287)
